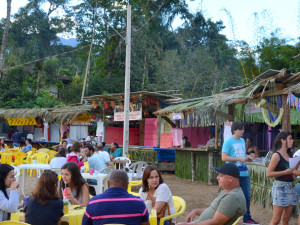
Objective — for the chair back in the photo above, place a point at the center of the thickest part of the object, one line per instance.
(43, 150)
(6, 151)
(51, 154)
(6, 158)
(138, 168)
(57, 170)
(41, 157)
(180, 207)
(17, 173)
(127, 164)
(19, 157)
(10, 222)
(134, 183)
(238, 220)
(107, 170)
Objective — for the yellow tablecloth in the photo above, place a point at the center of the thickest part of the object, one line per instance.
(153, 217)
(74, 217)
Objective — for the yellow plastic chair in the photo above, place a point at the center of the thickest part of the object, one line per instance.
(41, 157)
(6, 158)
(180, 207)
(43, 150)
(19, 158)
(238, 220)
(51, 154)
(6, 151)
(9, 222)
(134, 183)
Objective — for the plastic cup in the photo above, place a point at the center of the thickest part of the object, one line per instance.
(66, 196)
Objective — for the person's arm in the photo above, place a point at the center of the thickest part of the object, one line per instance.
(271, 168)
(191, 216)
(219, 219)
(109, 163)
(225, 157)
(256, 151)
(10, 205)
(84, 196)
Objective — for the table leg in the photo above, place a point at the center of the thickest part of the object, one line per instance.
(23, 182)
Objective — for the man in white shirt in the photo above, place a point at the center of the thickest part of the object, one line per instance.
(100, 149)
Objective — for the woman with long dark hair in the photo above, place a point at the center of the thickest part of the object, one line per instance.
(283, 193)
(45, 207)
(158, 192)
(71, 178)
(251, 149)
(115, 150)
(9, 195)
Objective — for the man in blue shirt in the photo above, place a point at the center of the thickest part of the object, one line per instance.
(16, 137)
(28, 146)
(96, 161)
(115, 205)
(234, 150)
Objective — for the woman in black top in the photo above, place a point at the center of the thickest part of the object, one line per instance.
(283, 193)
(251, 149)
(44, 207)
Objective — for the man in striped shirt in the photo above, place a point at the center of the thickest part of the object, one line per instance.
(115, 205)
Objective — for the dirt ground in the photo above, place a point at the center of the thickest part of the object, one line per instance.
(195, 194)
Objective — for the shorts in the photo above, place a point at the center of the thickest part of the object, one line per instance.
(283, 193)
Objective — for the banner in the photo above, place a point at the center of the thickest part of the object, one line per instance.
(21, 121)
(135, 112)
(227, 130)
(82, 118)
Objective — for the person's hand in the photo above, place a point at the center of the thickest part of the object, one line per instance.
(70, 195)
(84, 159)
(14, 185)
(289, 171)
(243, 159)
(191, 216)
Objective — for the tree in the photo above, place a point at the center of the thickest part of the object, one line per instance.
(4, 39)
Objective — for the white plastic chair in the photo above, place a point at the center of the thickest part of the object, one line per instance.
(107, 170)
(17, 173)
(124, 164)
(137, 169)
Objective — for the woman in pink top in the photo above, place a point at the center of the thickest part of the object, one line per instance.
(74, 155)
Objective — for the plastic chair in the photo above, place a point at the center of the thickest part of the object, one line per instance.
(180, 207)
(17, 173)
(6, 158)
(10, 222)
(43, 150)
(137, 169)
(51, 154)
(134, 184)
(107, 170)
(19, 158)
(238, 220)
(41, 157)
(86, 167)
(123, 158)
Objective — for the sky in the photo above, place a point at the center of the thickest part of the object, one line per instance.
(243, 25)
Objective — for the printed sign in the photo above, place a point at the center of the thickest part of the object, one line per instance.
(82, 118)
(227, 130)
(134, 114)
(177, 116)
(252, 109)
(21, 121)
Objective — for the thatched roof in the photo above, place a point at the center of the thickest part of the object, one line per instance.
(25, 113)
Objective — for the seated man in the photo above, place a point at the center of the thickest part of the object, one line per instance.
(96, 161)
(63, 144)
(28, 146)
(115, 205)
(228, 206)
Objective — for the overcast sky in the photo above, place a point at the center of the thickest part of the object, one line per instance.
(277, 14)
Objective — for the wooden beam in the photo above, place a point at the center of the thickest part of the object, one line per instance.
(227, 116)
(216, 135)
(158, 131)
(169, 121)
(286, 124)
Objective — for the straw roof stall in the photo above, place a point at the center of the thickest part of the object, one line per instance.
(23, 113)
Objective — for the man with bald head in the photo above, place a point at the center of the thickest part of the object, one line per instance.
(115, 205)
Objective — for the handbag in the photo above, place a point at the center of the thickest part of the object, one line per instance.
(162, 211)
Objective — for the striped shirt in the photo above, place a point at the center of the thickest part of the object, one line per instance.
(115, 206)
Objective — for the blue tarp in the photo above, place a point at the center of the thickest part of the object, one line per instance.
(165, 154)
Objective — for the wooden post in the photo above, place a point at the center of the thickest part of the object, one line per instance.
(104, 128)
(231, 110)
(210, 166)
(192, 166)
(216, 135)
(158, 131)
(286, 124)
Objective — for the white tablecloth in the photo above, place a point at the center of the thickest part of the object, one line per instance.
(25, 167)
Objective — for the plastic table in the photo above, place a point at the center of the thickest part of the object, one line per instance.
(101, 178)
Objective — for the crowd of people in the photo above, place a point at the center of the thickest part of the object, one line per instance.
(116, 205)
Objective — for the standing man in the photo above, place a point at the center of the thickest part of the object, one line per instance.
(234, 150)
(16, 137)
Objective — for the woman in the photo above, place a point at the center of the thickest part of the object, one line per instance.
(45, 207)
(2, 145)
(74, 155)
(283, 193)
(71, 178)
(158, 192)
(60, 159)
(115, 150)
(9, 195)
(251, 150)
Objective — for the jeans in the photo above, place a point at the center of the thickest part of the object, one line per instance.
(16, 145)
(246, 187)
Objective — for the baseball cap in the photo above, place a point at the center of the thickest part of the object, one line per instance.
(228, 169)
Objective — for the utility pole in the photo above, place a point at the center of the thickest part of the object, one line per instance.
(127, 83)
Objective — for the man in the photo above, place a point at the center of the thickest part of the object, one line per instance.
(100, 149)
(28, 146)
(63, 144)
(10, 133)
(16, 137)
(96, 161)
(234, 150)
(115, 205)
(228, 206)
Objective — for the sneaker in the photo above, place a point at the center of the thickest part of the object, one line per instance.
(251, 221)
